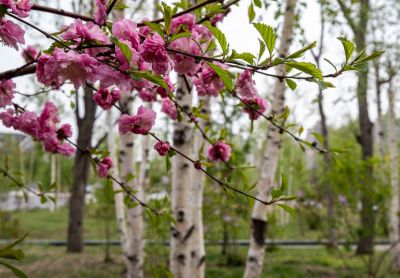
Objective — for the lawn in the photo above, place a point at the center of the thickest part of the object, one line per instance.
(47, 261)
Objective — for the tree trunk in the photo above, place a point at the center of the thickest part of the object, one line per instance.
(255, 256)
(367, 214)
(394, 208)
(181, 232)
(120, 212)
(135, 224)
(198, 252)
(80, 173)
(329, 192)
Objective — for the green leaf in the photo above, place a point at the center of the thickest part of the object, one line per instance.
(348, 47)
(373, 56)
(180, 35)
(251, 13)
(167, 13)
(301, 129)
(17, 272)
(291, 84)
(276, 193)
(156, 79)
(155, 27)
(328, 61)
(245, 56)
(300, 52)
(319, 137)
(324, 84)
(224, 75)
(262, 49)
(5, 251)
(43, 199)
(305, 67)
(219, 36)
(268, 35)
(257, 3)
(284, 184)
(168, 162)
(124, 49)
(109, 190)
(288, 209)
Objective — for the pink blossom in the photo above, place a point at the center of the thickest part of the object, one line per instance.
(19, 7)
(65, 131)
(7, 90)
(148, 95)
(257, 104)
(28, 123)
(100, 11)
(153, 51)
(48, 119)
(246, 85)
(162, 147)
(30, 53)
(220, 151)
(141, 123)
(183, 63)
(65, 149)
(169, 108)
(123, 60)
(217, 18)
(106, 98)
(62, 66)
(89, 31)
(125, 30)
(11, 33)
(162, 91)
(42, 128)
(208, 82)
(104, 166)
(202, 34)
(7, 117)
(186, 21)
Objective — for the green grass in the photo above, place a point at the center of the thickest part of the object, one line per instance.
(47, 262)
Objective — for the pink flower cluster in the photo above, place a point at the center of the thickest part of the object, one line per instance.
(10, 33)
(19, 7)
(30, 53)
(104, 166)
(141, 123)
(61, 66)
(219, 151)
(100, 11)
(42, 128)
(207, 82)
(245, 86)
(256, 107)
(106, 98)
(162, 147)
(7, 90)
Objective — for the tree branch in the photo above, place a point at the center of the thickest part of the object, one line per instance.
(347, 14)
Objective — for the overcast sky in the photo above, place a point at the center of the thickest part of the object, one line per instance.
(243, 37)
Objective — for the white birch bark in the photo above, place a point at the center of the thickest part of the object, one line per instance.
(120, 211)
(394, 235)
(181, 232)
(255, 256)
(198, 251)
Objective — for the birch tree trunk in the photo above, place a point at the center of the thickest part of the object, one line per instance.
(181, 232)
(394, 208)
(255, 256)
(135, 224)
(120, 212)
(198, 251)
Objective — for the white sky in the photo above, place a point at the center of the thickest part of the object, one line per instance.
(242, 37)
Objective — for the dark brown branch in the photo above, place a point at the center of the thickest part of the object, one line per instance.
(62, 12)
